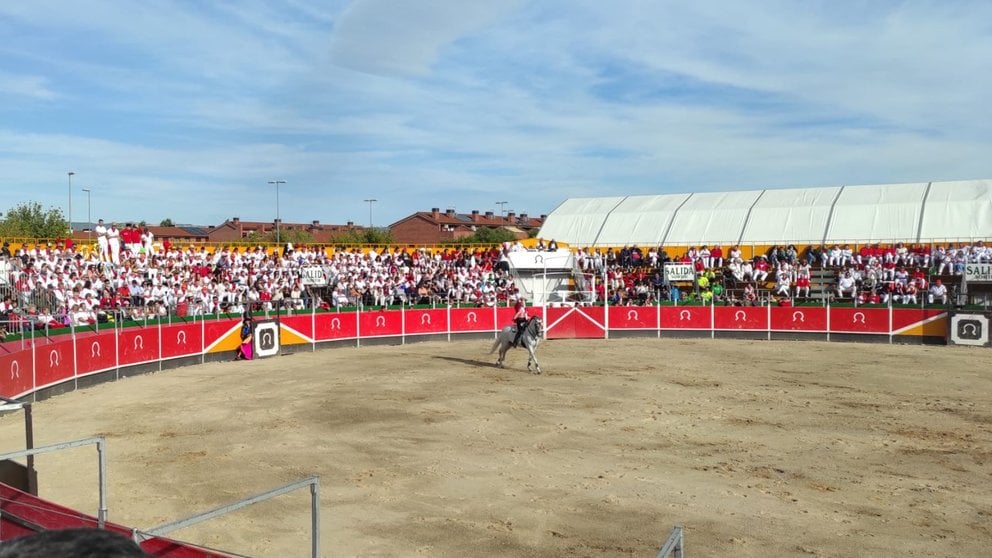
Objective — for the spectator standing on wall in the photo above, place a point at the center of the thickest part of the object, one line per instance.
(147, 240)
(114, 239)
(101, 239)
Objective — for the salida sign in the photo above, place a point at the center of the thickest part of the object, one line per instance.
(978, 273)
(679, 272)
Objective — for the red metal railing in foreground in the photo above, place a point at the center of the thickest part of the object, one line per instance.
(22, 514)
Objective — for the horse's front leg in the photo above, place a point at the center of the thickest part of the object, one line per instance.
(533, 358)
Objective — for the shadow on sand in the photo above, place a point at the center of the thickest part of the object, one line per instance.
(471, 362)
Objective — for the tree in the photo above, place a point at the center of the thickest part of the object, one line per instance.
(166, 223)
(30, 221)
(488, 235)
(296, 237)
(364, 236)
(292, 236)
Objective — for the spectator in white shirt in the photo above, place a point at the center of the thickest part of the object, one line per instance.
(938, 292)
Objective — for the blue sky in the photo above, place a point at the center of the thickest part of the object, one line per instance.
(186, 109)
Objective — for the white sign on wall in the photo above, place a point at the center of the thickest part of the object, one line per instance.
(970, 329)
(266, 338)
(978, 273)
(313, 276)
(679, 272)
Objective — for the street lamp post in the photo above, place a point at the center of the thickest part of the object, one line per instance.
(502, 206)
(89, 219)
(370, 201)
(277, 183)
(69, 215)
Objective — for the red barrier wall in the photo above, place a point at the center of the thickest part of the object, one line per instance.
(42, 362)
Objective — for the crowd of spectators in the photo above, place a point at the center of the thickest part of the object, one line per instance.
(56, 286)
(873, 274)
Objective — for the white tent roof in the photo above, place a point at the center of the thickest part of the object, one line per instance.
(957, 210)
(877, 213)
(580, 220)
(790, 216)
(647, 217)
(712, 217)
(919, 212)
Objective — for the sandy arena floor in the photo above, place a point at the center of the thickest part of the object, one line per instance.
(757, 448)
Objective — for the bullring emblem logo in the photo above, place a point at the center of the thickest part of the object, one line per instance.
(798, 316)
(740, 315)
(95, 350)
(336, 323)
(471, 318)
(539, 259)
(267, 339)
(685, 315)
(54, 358)
(632, 315)
(15, 370)
(180, 337)
(380, 321)
(139, 343)
(425, 319)
(970, 329)
(859, 317)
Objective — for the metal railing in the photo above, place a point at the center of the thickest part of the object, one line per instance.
(313, 482)
(675, 545)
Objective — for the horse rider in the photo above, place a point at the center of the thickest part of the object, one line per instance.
(520, 318)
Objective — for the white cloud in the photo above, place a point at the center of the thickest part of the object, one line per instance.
(33, 87)
(404, 38)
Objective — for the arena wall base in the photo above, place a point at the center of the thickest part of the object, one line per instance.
(177, 362)
(859, 337)
(798, 336)
(426, 338)
(336, 344)
(139, 369)
(686, 334)
(633, 334)
(744, 335)
(285, 350)
(218, 357)
(91, 380)
(480, 335)
(57, 389)
(919, 340)
(381, 341)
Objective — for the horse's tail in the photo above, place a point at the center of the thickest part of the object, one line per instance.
(496, 344)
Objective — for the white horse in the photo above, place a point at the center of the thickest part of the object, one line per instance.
(528, 340)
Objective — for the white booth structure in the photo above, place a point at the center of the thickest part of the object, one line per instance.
(550, 278)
